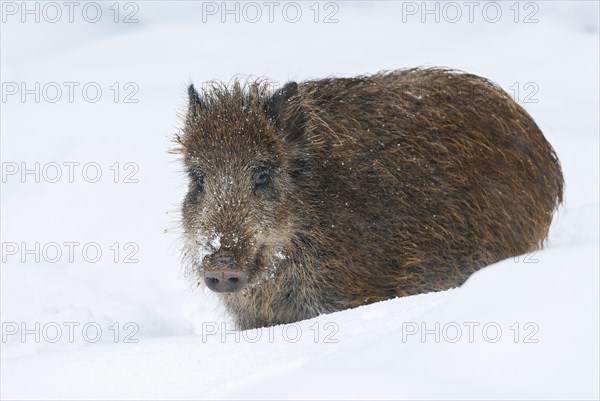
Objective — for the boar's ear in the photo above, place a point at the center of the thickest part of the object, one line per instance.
(195, 103)
(290, 124)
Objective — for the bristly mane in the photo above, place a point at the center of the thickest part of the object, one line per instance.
(240, 99)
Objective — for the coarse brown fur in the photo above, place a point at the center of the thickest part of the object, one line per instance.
(379, 186)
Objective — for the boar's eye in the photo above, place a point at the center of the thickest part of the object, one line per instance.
(262, 180)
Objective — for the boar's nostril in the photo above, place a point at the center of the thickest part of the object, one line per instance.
(213, 281)
(225, 280)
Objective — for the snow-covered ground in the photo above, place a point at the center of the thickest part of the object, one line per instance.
(128, 325)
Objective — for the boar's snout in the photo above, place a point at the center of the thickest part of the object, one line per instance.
(225, 280)
(220, 276)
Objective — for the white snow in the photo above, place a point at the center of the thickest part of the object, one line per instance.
(128, 324)
(215, 243)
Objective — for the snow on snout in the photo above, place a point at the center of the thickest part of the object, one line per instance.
(208, 246)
